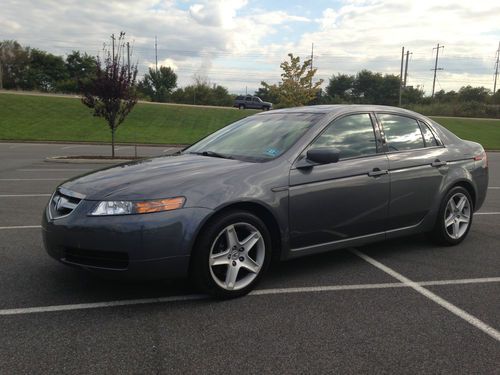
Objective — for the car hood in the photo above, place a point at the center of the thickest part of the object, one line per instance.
(155, 178)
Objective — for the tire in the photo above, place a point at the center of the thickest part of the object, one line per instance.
(231, 255)
(241, 106)
(454, 217)
(265, 108)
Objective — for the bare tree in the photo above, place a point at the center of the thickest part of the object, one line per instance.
(112, 93)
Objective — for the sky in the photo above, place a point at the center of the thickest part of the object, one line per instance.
(239, 43)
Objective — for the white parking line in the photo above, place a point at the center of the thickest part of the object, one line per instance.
(487, 213)
(23, 195)
(30, 179)
(21, 227)
(259, 292)
(433, 297)
(54, 170)
(494, 187)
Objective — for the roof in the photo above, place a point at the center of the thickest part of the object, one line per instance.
(335, 108)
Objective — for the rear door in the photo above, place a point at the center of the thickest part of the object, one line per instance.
(417, 168)
(336, 202)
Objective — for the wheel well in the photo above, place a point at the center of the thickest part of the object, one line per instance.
(470, 189)
(262, 213)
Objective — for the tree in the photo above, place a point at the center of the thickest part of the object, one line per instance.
(81, 69)
(412, 95)
(374, 88)
(45, 71)
(202, 92)
(296, 87)
(14, 62)
(112, 93)
(340, 87)
(158, 84)
(473, 94)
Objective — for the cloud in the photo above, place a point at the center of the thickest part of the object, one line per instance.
(236, 43)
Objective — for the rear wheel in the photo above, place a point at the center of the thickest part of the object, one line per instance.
(231, 255)
(454, 217)
(241, 106)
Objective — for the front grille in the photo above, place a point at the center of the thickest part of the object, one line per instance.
(96, 258)
(63, 202)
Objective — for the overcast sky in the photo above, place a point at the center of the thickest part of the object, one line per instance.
(238, 43)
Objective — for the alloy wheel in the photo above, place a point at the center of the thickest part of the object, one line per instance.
(237, 256)
(457, 215)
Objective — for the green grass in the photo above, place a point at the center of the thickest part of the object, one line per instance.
(45, 118)
(484, 131)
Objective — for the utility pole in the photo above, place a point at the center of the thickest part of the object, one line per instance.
(156, 53)
(312, 55)
(1, 73)
(113, 45)
(494, 85)
(401, 74)
(436, 68)
(408, 53)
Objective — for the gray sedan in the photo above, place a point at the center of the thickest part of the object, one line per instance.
(276, 185)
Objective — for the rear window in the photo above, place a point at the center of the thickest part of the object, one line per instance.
(401, 132)
(429, 138)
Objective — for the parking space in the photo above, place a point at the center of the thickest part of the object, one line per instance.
(375, 309)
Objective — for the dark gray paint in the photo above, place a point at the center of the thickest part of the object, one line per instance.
(315, 209)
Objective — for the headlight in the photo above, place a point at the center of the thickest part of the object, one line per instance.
(144, 207)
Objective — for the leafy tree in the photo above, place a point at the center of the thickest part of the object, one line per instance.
(14, 62)
(203, 93)
(473, 94)
(446, 97)
(374, 88)
(44, 72)
(266, 95)
(81, 69)
(296, 87)
(112, 93)
(340, 86)
(412, 95)
(158, 85)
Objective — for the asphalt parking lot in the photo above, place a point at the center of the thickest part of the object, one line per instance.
(404, 306)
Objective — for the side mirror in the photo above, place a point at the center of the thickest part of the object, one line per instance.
(320, 155)
(323, 155)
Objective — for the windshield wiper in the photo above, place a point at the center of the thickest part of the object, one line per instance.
(212, 154)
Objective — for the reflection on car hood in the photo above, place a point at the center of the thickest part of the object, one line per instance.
(152, 178)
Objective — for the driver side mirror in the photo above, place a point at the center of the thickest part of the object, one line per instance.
(320, 155)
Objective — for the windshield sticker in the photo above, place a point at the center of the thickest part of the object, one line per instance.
(272, 152)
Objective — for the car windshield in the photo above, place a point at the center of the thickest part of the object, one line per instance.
(257, 138)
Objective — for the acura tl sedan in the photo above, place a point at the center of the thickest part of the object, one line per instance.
(276, 185)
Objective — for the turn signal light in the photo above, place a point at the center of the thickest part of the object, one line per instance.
(159, 205)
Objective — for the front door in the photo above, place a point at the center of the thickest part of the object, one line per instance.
(336, 202)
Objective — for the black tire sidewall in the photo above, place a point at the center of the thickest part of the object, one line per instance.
(200, 270)
(440, 233)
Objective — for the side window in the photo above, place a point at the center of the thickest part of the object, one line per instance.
(248, 99)
(352, 135)
(401, 133)
(255, 100)
(429, 138)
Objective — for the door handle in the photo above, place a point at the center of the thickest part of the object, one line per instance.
(376, 172)
(438, 163)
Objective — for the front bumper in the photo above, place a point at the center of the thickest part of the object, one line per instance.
(145, 246)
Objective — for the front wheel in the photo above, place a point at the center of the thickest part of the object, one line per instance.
(231, 255)
(454, 217)
(241, 106)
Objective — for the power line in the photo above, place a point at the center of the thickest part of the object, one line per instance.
(496, 69)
